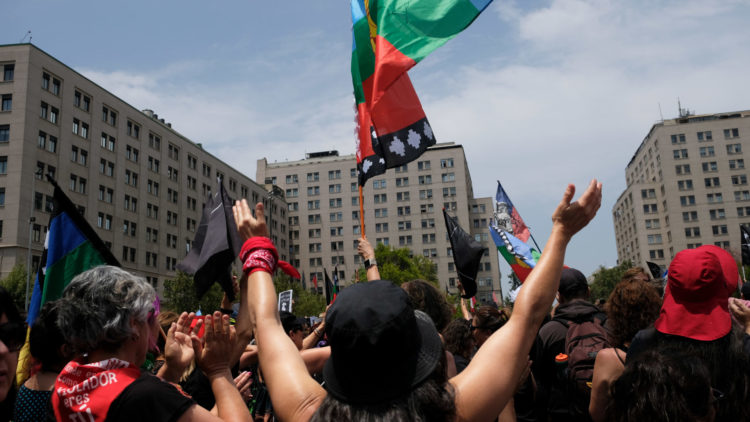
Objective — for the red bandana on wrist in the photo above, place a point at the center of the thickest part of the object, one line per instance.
(259, 254)
(85, 392)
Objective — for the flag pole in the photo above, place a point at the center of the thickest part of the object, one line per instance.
(361, 212)
(534, 240)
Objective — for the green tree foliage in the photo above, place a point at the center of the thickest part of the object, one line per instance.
(306, 303)
(605, 280)
(400, 265)
(179, 294)
(15, 284)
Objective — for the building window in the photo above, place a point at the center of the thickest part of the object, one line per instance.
(719, 230)
(8, 71)
(402, 196)
(379, 184)
(133, 129)
(446, 163)
(678, 138)
(173, 152)
(381, 198)
(654, 239)
(109, 116)
(707, 151)
(731, 133)
(687, 200)
(7, 102)
(705, 136)
(717, 214)
(680, 154)
(334, 174)
(313, 190)
(653, 223)
(737, 164)
(710, 167)
(448, 177)
(682, 169)
(423, 165)
(742, 195)
(734, 149)
(712, 182)
(656, 253)
(402, 181)
(649, 208)
(4, 133)
(740, 179)
(714, 198)
(690, 216)
(313, 177)
(692, 232)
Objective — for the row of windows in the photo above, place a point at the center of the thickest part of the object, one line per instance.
(705, 152)
(705, 136)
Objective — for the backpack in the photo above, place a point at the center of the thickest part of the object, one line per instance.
(583, 342)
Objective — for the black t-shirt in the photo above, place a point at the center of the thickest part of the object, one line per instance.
(149, 399)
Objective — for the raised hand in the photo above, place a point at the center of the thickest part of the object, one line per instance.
(213, 351)
(247, 225)
(570, 217)
(364, 249)
(178, 348)
(243, 382)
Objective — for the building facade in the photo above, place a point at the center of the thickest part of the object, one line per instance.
(403, 208)
(137, 181)
(687, 185)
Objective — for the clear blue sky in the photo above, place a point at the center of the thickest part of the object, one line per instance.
(540, 93)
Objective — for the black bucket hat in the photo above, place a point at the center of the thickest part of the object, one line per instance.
(381, 347)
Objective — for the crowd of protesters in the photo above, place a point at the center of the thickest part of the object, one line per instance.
(381, 352)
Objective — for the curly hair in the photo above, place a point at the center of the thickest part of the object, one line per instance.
(97, 307)
(424, 296)
(634, 304)
(490, 318)
(458, 338)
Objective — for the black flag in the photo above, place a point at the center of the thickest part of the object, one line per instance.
(216, 244)
(745, 244)
(327, 288)
(655, 270)
(467, 253)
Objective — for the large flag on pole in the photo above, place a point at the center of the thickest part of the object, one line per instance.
(216, 245)
(521, 258)
(70, 248)
(507, 216)
(467, 254)
(745, 244)
(390, 37)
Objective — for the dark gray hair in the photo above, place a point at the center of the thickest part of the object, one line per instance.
(97, 306)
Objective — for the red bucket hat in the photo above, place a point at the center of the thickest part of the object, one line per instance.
(699, 283)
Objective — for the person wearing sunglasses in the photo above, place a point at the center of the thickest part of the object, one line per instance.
(12, 330)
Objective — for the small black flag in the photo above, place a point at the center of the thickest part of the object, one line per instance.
(467, 254)
(745, 244)
(655, 270)
(216, 244)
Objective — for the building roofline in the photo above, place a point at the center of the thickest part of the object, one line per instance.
(687, 120)
(335, 158)
(163, 125)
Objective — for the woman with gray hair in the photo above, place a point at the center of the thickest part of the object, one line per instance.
(109, 318)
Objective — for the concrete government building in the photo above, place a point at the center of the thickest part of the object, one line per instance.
(403, 208)
(687, 185)
(138, 182)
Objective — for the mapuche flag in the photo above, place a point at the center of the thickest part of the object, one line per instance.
(390, 37)
(216, 244)
(70, 248)
(467, 254)
(521, 258)
(507, 215)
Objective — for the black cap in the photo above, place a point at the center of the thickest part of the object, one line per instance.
(572, 283)
(380, 346)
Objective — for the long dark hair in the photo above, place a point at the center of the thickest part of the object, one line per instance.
(432, 400)
(662, 387)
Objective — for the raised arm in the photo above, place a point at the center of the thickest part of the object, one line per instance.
(488, 383)
(295, 395)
